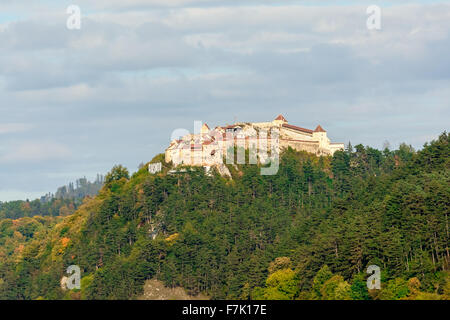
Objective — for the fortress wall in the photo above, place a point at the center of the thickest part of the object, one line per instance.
(336, 146)
(312, 146)
(168, 155)
(293, 134)
(316, 143)
(265, 125)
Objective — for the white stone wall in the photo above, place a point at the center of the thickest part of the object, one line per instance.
(296, 135)
(316, 142)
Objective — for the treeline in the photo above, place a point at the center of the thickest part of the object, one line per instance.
(308, 232)
(81, 189)
(64, 202)
(284, 283)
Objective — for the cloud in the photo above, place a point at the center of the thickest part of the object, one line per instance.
(114, 90)
(7, 128)
(32, 152)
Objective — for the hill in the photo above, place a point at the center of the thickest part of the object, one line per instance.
(64, 202)
(308, 232)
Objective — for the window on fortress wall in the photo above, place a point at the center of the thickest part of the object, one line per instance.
(234, 130)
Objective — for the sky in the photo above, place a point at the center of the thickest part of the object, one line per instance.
(73, 103)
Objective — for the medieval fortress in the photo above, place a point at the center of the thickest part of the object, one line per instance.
(209, 147)
(262, 139)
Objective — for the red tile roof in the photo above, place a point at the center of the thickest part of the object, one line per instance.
(319, 129)
(280, 117)
(307, 141)
(296, 128)
(196, 147)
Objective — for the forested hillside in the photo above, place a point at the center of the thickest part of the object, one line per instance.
(308, 232)
(64, 202)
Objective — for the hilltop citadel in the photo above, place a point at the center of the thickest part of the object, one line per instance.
(209, 146)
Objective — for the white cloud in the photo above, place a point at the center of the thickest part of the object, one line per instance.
(169, 63)
(6, 128)
(30, 152)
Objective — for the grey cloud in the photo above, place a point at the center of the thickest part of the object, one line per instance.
(114, 91)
